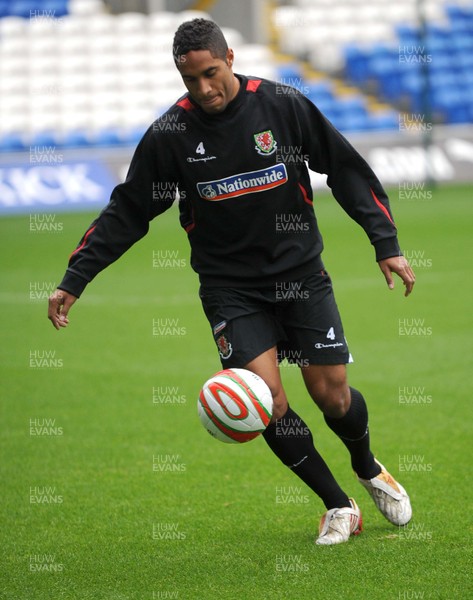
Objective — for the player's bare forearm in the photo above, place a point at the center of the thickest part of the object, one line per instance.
(58, 308)
(400, 266)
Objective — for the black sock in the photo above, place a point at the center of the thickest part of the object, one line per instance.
(352, 429)
(291, 440)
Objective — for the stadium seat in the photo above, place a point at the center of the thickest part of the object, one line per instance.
(75, 139)
(160, 22)
(352, 123)
(320, 91)
(4, 8)
(289, 72)
(108, 136)
(85, 7)
(12, 142)
(356, 64)
(56, 8)
(132, 135)
(44, 138)
(188, 15)
(453, 105)
(99, 24)
(131, 22)
(387, 120)
(23, 8)
(233, 36)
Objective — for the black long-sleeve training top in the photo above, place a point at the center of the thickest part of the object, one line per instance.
(245, 198)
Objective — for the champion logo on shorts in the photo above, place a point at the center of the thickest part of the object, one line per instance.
(243, 183)
(224, 347)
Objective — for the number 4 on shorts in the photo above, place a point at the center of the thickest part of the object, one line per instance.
(200, 148)
(331, 334)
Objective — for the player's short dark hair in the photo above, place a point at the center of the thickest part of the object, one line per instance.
(199, 34)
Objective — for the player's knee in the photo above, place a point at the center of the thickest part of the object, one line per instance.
(332, 397)
(336, 405)
(279, 404)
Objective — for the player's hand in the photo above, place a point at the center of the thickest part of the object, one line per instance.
(59, 304)
(400, 266)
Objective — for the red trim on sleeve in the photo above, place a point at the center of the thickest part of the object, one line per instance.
(305, 196)
(381, 206)
(186, 104)
(253, 85)
(189, 227)
(84, 242)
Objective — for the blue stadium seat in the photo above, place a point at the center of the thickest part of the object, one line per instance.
(439, 46)
(328, 107)
(355, 122)
(58, 8)
(4, 8)
(461, 19)
(354, 105)
(453, 105)
(412, 91)
(356, 64)
(385, 69)
(407, 34)
(445, 79)
(44, 138)
(319, 91)
(12, 142)
(75, 139)
(288, 73)
(132, 136)
(462, 43)
(24, 8)
(107, 137)
(387, 120)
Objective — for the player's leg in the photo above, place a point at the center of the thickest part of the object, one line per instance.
(345, 412)
(290, 438)
(316, 336)
(246, 335)
(315, 329)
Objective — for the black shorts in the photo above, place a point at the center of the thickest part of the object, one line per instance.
(301, 318)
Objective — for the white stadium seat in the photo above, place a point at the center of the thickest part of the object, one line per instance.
(13, 27)
(85, 7)
(72, 45)
(131, 42)
(162, 22)
(102, 44)
(110, 80)
(73, 119)
(188, 15)
(135, 79)
(233, 37)
(99, 24)
(13, 83)
(103, 63)
(131, 22)
(43, 83)
(133, 116)
(72, 26)
(40, 119)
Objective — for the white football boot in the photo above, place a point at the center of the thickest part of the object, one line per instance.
(338, 524)
(389, 496)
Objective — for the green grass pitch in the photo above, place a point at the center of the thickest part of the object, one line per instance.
(112, 490)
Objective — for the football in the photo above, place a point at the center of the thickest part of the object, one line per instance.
(235, 405)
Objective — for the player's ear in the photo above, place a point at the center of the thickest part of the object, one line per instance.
(229, 58)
